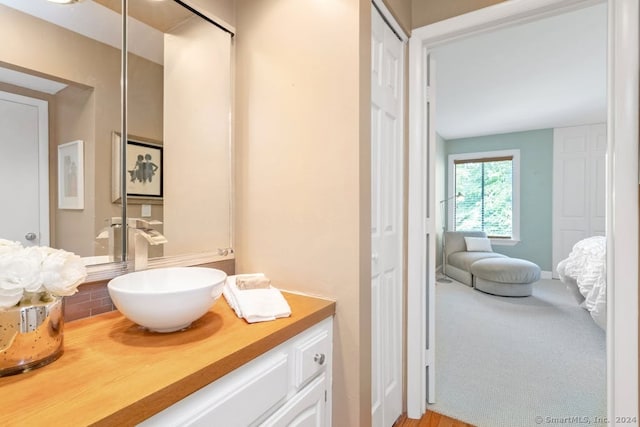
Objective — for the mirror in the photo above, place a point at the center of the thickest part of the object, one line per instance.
(194, 136)
(60, 91)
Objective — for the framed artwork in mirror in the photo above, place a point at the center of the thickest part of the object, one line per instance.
(71, 175)
(144, 170)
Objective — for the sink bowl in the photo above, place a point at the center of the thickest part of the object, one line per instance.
(167, 299)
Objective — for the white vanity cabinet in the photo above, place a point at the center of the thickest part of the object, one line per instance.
(307, 408)
(289, 385)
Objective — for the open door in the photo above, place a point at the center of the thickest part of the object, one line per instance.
(421, 288)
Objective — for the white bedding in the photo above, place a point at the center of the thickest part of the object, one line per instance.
(585, 267)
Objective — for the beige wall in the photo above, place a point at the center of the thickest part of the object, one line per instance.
(74, 112)
(303, 167)
(426, 12)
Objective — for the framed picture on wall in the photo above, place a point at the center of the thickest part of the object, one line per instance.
(144, 170)
(71, 175)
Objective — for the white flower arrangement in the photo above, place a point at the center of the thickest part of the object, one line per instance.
(37, 273)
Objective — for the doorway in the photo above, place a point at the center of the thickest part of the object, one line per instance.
(622, 212)
(24, 138)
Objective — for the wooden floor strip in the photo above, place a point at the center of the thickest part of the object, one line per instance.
(430, 419)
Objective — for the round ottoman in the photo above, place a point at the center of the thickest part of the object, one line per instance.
(508, 277)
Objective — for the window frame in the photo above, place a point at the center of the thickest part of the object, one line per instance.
(515, 197)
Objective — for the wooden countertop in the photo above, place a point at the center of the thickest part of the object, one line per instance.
(114, 373)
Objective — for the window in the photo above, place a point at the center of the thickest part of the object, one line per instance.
(489, 187)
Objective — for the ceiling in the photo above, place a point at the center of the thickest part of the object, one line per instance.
(163, 15)
(542, 74)
(30, 81)
(101, 20)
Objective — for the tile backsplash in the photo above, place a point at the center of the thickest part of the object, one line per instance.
(91, 299)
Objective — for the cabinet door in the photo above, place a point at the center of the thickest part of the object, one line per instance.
(305, 409)
(312, 356)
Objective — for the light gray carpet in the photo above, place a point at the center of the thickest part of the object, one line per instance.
(509, 361)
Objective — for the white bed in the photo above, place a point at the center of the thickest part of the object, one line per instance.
(584, 273)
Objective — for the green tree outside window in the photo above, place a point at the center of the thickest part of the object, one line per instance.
(487, 186)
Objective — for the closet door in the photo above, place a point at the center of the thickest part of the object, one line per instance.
(598, 173)
(386, 224)
(578, 187)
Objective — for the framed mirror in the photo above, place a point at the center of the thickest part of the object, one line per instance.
(60, 83)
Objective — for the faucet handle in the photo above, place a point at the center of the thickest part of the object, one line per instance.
(153, 237)
(142, 224)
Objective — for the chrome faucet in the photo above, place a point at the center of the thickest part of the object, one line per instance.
(141, 235)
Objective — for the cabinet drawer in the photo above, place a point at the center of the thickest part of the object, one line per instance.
(237, 399)
(312, 356)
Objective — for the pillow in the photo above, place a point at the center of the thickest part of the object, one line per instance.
(478, 244)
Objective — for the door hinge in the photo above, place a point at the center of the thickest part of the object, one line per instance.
(325, 395)
(427, 357)
(428, 93)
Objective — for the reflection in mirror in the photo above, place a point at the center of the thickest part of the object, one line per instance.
(179, 106)
(179, 100)
(78, 79)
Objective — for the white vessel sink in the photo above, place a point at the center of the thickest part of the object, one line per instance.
(167, 299)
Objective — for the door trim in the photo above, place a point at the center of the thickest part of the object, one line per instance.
(43, 158)
(622, 180)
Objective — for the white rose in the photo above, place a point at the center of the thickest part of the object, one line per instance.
(20, 270)
(62, 272)
(9, 246)
(10, 297)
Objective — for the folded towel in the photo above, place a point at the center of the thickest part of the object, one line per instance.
(255, 305)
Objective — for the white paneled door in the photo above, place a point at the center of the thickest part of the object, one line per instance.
(386, 223)
(24, 169)
(579, 182)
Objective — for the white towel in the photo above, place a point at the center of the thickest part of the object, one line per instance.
(255, 305)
